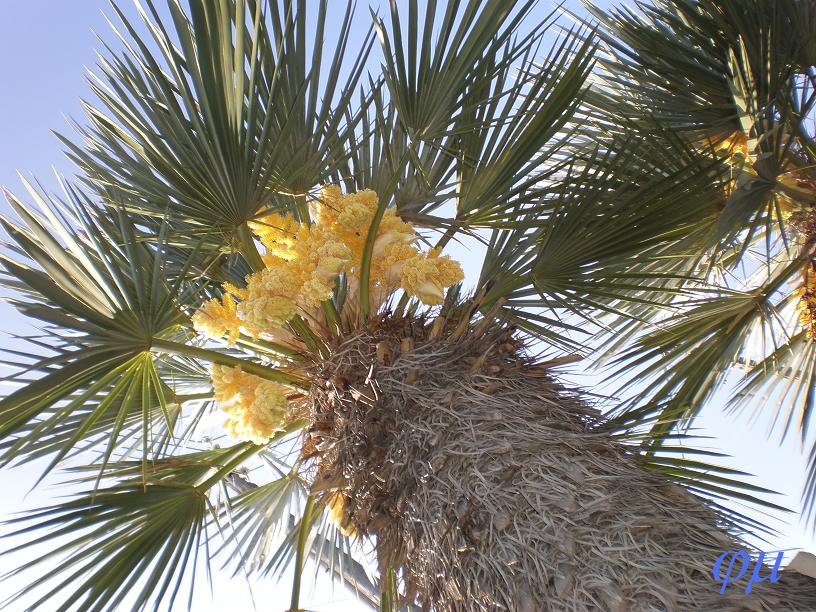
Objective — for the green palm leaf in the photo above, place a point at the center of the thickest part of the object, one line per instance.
(719, 78)
(109, 312)
(103, 299)
(132, 539)
(233, 119)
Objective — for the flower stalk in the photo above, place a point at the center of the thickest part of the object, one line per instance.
(257, 369)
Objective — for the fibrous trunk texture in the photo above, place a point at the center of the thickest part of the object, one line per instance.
(489, 486)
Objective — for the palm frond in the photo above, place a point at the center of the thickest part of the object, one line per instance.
(237, 113)
(682, 459)
(514, 127)
(132, 539)
(102, 297)
(708, 65)
(427, 74)
(113, 322)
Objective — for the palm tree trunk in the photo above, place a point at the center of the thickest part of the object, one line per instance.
(489, 485)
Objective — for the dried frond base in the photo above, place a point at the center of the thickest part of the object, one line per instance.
(804, 223)
(490, 486)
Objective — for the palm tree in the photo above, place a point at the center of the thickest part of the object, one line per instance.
(258, 228)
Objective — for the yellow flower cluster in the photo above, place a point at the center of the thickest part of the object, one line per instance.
(304, 260)
(255, 408)
(426, 275)
(348, 217)
(394, 256)
(335, 504)
(793, 186)
(736, 154)
(806, 307)
(736, 145)
(217, 318)
(302, 263)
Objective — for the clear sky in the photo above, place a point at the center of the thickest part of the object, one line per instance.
(45, 46)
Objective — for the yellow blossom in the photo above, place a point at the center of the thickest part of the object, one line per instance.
(217, 318)
(395, 261)
(303, 261)
(742, 152)
(270, 299)
(266, 312)
(386, 265)
(806, 307)
(235, 291)
(348, 217)
(255, 408)
(349, 211)
(392, 224)
(330, 258)
(273, 261)
(736, 145)
(427, 274)
(335, 504)
(277, 233)
(227, 382)
(314, 291)
(449, 270)
(389, 240)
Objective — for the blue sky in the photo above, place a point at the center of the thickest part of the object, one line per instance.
(45, 46)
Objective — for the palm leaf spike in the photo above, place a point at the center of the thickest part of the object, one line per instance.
(306, 522)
